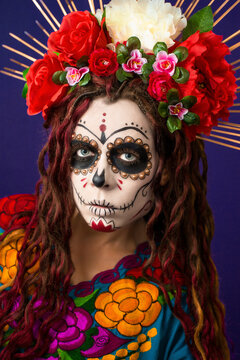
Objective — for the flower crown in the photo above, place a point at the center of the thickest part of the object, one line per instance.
(150, 40)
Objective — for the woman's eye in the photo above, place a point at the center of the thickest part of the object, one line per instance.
(84, 153)
(128, 157)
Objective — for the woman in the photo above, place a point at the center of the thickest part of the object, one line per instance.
(119, 175)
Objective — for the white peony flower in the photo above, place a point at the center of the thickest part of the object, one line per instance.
(150, 20)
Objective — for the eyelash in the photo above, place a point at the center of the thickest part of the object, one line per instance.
(129, 151)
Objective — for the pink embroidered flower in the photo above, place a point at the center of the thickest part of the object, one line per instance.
(135, 63)
(165, 63)
(178, 110)
(75, 75)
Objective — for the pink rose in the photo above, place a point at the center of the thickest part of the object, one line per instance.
(75, 75)
(135, 63)
(165, 63)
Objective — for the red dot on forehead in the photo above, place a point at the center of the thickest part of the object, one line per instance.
(104, 114)
(102, 127)
(103, 120)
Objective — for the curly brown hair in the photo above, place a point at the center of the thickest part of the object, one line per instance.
(179, 229)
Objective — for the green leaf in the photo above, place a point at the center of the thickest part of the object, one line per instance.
(83, 61)
(201, 20)
(191, 119)
(122, 75)
(70, 355)
(163, 109)
(85, 80)
(62, 77)
(160, 46)
(173, 123)
(189, 101)
(183, 76)
(121, 58)
(25, 72)
(87, 302)
(72, 88)
(176, 73)
(122, 49)
(56, 77)
(133, 43)
(56, 53)
(150, 58)
(24, 91)
(181, 53)
(173, 96)
(147, 69)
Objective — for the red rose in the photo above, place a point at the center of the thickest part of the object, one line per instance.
(159, 84)
(78, 35)
(211, 80)
(103, 62)
(41, 88)
(13, 205)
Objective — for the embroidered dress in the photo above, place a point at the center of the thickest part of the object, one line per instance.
(117, 315)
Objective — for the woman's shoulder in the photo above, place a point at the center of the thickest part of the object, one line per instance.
(15, 213)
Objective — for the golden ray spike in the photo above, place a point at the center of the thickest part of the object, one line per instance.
(225, 138)
(236, 104)
(181, 3)
(218, 142)
(13, 70)
(12, 75)
(42, 28)
(234, 111)
(229, 123)
(177, 3)
(61, 7)
(238, 91)
(226, 12)
(44, 15)
(19, 53)
(91, 6)
(231, 36)
(220, 7)
(235, 62)
(211, 2)
(225, 132)
(101, 5)
(50, 13)
(235, 46)
(238, 79)
(228, 127)
(36, 40)
(19, 63)
(237, 68)
(189, 7)
(74, 6)
(26, 44)
(69, 6)
(193, 7)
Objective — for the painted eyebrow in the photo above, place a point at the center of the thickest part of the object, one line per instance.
(116, 131)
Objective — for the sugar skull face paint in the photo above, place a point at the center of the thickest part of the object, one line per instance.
(113, 164)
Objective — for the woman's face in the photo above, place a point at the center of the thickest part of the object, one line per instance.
(113, 164)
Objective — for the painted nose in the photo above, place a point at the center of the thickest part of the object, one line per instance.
(99, 180)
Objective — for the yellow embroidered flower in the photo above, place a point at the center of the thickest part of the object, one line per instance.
(8, 258)
(128, 306)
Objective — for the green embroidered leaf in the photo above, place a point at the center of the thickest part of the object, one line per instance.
(181, 53)
(173, 96)
(191, 119)
(70, 355)
(201, 20)
(160, 46)
(85, 80)
(87, 302)
(123, 75)
(189, 101)
(83, 61)
(89, 341)
(25, 72)
(24, 91)
(122, 49)
(173, 123)
(183, 76)
(163, 109)
(133, 43)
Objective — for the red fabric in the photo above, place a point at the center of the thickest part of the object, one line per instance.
(14, 205)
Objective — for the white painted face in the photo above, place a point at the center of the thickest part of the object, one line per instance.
(113, 162)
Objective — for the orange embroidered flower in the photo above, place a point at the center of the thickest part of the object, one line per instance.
(8, 260)
(128, 306)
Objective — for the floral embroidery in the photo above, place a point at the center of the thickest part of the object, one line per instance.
(128, 306)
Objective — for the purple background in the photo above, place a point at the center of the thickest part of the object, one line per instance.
(21, 138)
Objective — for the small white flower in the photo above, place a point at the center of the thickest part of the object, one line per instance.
(150, 20)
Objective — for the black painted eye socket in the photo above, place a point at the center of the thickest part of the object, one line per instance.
(83, 155)
(130, 158)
